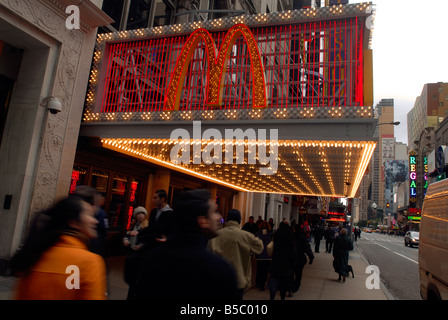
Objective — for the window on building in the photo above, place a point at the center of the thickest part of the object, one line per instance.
(137, 14)
(6, 86)
(100, 180)
(114, 9)
(163, 14)
(118, 203)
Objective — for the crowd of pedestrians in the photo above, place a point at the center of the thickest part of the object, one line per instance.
(172, 253)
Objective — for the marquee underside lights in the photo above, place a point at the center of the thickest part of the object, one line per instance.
(304, 167)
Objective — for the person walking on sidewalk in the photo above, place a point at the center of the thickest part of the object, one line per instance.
(303, 249)
(329, 239)
(55, 262)
(283, 262)
(263, 259)
(342, 245)
(183, 268)
(236, 246)
(318, 233)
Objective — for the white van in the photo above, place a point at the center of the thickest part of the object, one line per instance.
(433, 248)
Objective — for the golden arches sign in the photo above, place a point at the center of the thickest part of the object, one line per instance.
(217, 67)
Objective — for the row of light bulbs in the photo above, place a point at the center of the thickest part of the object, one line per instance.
(277, 181)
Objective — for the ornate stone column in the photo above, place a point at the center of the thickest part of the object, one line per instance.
(38, 148)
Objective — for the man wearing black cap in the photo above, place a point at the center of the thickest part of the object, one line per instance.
(183, 268)
(236, 246)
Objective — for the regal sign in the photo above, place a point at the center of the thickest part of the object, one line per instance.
(412, 181)
(217, 62)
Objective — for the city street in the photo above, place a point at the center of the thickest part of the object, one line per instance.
(398, 264)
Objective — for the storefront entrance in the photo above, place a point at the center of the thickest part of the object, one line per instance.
(127, 182)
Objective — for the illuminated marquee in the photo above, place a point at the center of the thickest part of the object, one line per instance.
(217, 67)
(277, 66)
(413, 181)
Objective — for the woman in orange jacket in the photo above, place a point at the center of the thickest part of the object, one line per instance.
(55, 263)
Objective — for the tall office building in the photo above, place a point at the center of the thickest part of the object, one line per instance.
(430, 108)
(384, 151)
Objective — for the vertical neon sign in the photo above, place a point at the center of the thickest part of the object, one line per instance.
(413, 181)
(74, 182)
(134, 186)
(425, 176)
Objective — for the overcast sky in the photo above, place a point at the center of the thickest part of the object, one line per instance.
(410, 48)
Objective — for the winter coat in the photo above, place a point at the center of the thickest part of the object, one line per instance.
(341, 247)
(266, 238)
(133, 256)
(183, 268)
(250, 227)
(303, 248)
(284, 256)
(318, 233)
(158, 227)
(329, 234)
(46, 280)
(236, 245)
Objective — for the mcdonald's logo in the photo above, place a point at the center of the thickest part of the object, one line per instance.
(216, 62)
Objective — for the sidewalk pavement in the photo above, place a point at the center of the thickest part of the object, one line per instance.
(319, 281)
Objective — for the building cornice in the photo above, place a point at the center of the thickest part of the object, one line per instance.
(91, 16)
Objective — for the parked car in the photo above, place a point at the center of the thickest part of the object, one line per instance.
(433, 248)
(411, 238)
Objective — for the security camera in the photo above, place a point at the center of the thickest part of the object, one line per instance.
(53, 104)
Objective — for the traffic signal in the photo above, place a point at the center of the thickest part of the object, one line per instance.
(387, 205)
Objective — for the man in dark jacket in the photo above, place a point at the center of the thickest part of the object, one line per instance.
(329, 239)
(318, 232)
(303, 249)
(250, 226)
(183, 268)
(160, 223)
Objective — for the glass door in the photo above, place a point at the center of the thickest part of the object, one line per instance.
(117, 206)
